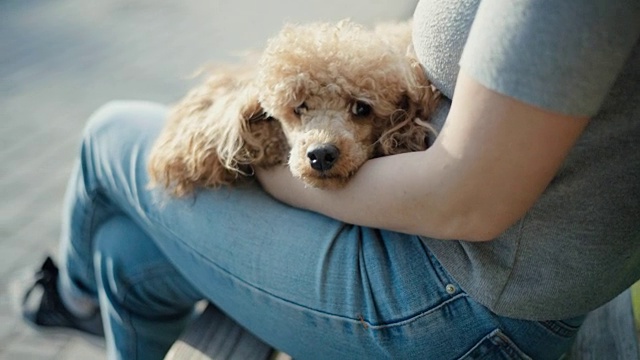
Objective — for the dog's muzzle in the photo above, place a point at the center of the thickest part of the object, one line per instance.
(323, 157)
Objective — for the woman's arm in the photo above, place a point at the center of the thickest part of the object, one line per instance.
(492, 160)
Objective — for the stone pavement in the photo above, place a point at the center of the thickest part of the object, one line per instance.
(59, 60)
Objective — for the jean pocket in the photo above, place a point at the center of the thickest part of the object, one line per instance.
(496, 345)
(561, 328)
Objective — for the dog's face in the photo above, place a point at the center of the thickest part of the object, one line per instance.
(336, 90)
(331, 136)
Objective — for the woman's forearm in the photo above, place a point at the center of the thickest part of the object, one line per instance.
(410, 193)
(386, 193)
(491, 162)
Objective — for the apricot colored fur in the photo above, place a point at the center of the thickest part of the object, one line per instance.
(301, 93)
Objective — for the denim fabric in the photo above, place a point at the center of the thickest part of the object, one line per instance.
(306, 284)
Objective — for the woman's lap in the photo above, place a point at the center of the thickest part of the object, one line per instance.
(305, 283)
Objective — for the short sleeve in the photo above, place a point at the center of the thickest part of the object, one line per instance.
(562, 56)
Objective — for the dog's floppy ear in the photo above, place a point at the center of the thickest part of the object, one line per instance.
(212, 137)
(264, 141)
(409, 128)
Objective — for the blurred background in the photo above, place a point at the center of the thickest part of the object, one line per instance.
(61, 59)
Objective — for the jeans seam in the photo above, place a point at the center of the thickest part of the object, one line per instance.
(477, 344)
(415, 317)
(442, 274)
(89, 226)
(392, 324)
(507, 345)
(559, 328)
(132, 349)
(502, 342)
(157, 271)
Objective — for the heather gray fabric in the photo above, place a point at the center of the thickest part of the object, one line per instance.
(579, 245)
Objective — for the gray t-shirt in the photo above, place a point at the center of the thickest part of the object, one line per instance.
(579, 245)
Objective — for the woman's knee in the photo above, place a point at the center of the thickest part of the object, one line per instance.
(116, 137)
(118, 118)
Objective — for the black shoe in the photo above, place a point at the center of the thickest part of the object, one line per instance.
(43, 307)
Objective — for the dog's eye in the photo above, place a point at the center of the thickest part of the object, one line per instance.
(301, 109)
(361, 109)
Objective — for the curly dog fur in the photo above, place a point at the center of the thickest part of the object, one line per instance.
(322, 98)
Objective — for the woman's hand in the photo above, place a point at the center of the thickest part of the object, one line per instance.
(491, 162)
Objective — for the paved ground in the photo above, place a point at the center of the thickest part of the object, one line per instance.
(61, 59)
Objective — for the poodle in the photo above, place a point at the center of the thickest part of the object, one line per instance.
(322, 98)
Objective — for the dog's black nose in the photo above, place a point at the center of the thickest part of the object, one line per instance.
(323, 157)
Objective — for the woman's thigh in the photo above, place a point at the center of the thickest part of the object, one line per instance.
(305, 283)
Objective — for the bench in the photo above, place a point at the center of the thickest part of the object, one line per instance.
(607, 333)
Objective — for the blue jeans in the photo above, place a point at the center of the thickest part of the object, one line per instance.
(301, 282)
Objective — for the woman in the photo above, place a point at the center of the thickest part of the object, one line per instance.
(495, 242)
